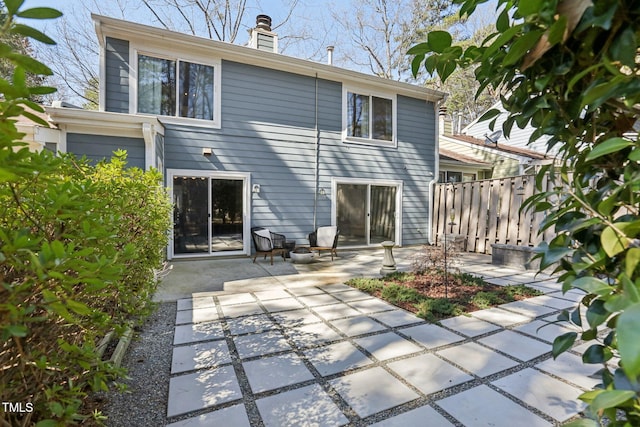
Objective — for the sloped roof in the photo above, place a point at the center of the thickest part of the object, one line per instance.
(500, 147)
(457, 157)
(25, 121)
(145, 34)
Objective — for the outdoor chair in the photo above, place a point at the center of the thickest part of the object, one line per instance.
(268, 243)
(325, 239)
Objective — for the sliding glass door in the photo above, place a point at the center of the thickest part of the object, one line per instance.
(209, 214)
(366, 213)
(382, 205)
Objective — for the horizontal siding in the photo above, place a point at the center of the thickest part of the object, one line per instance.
(411, 162)
(268, 130)
(99, 147)
(501, 166)
(117, 75)
(257, 94)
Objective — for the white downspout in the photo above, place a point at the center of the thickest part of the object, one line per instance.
(436, 173)
(316, 185)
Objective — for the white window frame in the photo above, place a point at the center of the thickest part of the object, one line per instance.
(246, 206)
(217, 85)
(370, 93)
(398, 184)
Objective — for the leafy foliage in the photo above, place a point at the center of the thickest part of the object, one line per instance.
(78, 248)
(423, 293)
(572, 71)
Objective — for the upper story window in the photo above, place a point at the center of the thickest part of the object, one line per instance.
(370, 118)
(177, 88)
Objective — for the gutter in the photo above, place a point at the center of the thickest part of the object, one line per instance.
(161, 39)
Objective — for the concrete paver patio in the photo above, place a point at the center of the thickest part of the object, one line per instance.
(328, 355)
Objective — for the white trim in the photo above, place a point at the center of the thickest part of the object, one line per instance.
(370, 92)
(174, 55)
(133, 80)
(246, 209)
(254, 38)
(149, 135)
(369, 182)
(102, 72)
(90, 122)
(161, 40)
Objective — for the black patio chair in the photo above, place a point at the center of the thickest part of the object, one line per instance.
(268, 243)
(325, 239)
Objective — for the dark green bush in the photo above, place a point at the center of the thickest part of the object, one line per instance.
(78, 248)
(438, 308)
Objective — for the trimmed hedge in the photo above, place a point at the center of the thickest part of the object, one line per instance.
(78, 249)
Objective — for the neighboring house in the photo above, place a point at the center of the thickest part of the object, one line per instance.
(36, 136)
(456, 167)
(248, 137)
(518, 138)
(493, 159)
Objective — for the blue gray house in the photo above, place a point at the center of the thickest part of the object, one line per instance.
(247, 137)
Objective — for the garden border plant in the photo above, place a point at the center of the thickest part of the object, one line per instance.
(433, 294)
(571, 70)
(78, 247)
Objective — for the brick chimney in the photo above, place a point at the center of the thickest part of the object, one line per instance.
(262, 38)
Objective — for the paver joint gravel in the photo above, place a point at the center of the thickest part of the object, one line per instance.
(330, 356)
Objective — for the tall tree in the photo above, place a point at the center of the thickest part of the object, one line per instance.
(381, 32)
(75, 59)
(465, 102)
(213, 19)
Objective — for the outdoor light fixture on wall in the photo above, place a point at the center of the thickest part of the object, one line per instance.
(255, 189)
(207, 151)
(322, 192)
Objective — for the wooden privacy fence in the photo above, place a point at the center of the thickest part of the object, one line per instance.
(488, 211)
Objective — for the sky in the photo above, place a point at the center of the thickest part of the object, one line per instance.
(311, 19)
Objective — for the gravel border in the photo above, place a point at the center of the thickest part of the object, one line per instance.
(148, 362)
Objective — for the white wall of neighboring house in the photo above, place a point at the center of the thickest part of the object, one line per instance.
(517, 137)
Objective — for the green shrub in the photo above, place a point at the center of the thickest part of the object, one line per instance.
(397, 293)
(366, 284)
(434, 309)
(78, 248)
(487, 299)
(514, 291)
(469, 279)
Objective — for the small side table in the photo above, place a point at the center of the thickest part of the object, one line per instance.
(289, 245)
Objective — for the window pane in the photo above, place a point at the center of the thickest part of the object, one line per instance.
(382, 119)
(454, 176)
(357, 115)
(156, 86)
(196, 91)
